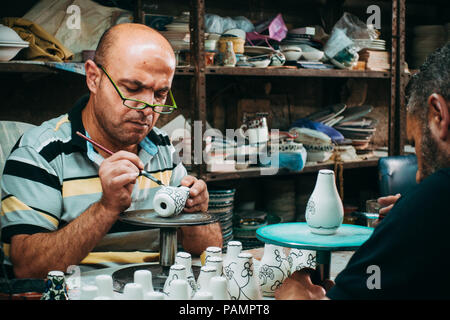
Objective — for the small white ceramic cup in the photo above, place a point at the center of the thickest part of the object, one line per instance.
(218, 286)
(133, 291)
(144, 278)
(154, 295)
(179, 290)
(88, 292)
(105, 285)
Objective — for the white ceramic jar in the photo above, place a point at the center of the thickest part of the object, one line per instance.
(244, 284)
(324, 210)
(273, 269)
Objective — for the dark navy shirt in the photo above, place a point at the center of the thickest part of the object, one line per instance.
(409, 251)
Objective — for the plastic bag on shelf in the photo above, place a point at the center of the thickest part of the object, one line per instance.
(244, 24)
(274, 29)
(341, 48)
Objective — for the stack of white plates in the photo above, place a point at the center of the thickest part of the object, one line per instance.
(376, 44)
(10, 43)
(427, 39)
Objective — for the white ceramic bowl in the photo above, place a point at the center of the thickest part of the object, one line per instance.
(8, 35)
(260, 63)
(9, 51)
(312, 55)
(292, 54)
(235, 32)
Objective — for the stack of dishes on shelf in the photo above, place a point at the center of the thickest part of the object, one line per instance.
(177, 33)
(221, 203)
(357, 127)
(427, 39)
(303, 40)
(375, 44)
(351, 122)
(10, 43)
(318, 145)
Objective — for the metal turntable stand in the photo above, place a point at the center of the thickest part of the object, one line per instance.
(168, 243)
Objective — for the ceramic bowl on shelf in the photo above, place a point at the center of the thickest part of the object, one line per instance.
(9, 50)
(312, 55)
(260, 62)
(291, 52)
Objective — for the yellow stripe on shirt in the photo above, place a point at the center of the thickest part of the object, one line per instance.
(81, 186)
(12, 204)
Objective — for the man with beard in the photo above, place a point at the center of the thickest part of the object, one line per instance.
(400, 259)
(62, 196)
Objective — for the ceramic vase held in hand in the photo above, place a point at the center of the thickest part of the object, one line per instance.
(324, 211)
(170, 201)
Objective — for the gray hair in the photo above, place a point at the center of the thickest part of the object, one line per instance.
(433, 77)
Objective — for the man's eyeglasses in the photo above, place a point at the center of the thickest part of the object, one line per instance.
(139, 104)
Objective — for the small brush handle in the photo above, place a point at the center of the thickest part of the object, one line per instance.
(143, 172)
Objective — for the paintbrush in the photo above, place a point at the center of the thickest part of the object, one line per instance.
(142, 172)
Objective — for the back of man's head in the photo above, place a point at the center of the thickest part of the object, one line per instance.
(433, 77)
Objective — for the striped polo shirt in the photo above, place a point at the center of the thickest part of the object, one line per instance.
(51, 177)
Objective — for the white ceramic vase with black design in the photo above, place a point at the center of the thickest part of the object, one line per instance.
(244, 284)
(301, 258)
(324, 210)
(177, 271)
(185, 259)
(170, 201)
(205, 275)
(233, 250)
(273, 269)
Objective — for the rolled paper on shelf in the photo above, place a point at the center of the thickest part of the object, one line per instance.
(170, 201)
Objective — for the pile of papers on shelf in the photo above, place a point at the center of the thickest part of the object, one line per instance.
(375, 60)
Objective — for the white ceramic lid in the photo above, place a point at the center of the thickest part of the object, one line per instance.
(8, 35)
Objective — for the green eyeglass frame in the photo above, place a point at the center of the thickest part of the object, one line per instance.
(158, 108)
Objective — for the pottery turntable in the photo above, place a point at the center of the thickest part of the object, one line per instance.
(168, 244)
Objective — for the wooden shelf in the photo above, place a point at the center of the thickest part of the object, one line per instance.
(268, 172)
(289, 72)
(54, 67)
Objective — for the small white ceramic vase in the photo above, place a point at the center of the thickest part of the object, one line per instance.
(170, 201)
(105, 285)
(301, 258)
(233, 250)
(273, 269)
(244, 284)
(324, 210)
(133, 291)
(177, 271)
(213, 252)
(144, 278)
(185, 259)
(218, 286)
(179, 290)
(205, 275)
(216, 262)
(229, 59)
